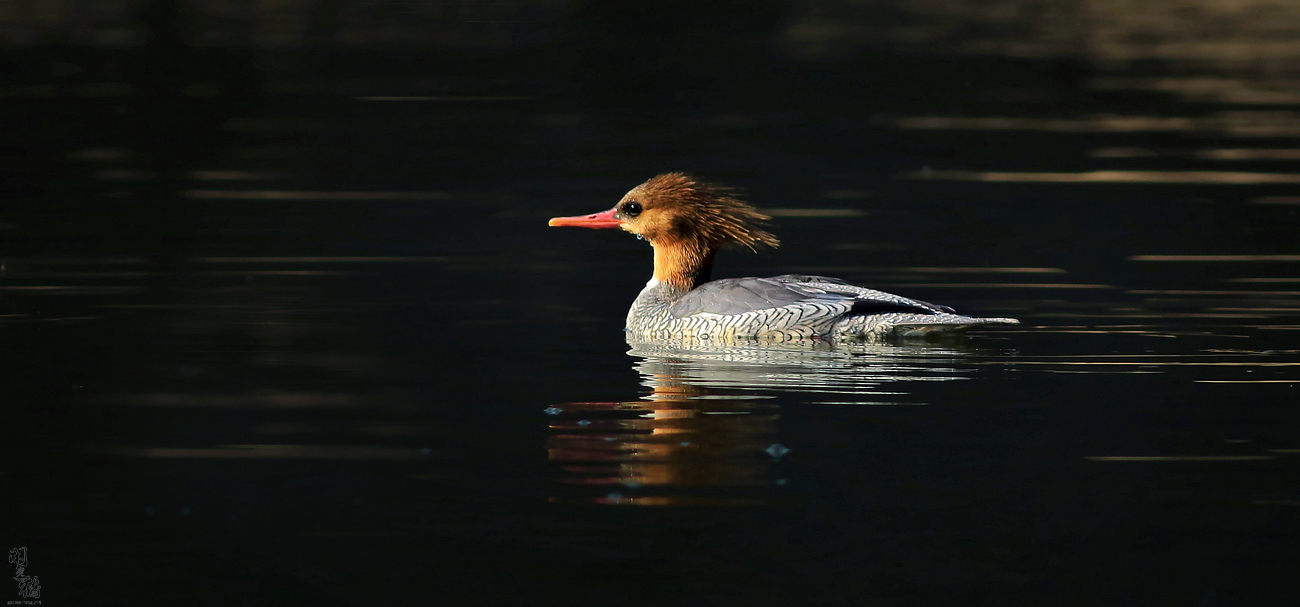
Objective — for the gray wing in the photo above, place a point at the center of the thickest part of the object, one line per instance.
(865, 299)
(731, 296)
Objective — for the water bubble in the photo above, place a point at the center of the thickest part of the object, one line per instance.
(584, 422)
(686, 443)
(426, 451)
(553, 410)
(777, 451)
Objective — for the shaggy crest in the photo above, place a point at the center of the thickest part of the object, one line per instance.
(718, 216)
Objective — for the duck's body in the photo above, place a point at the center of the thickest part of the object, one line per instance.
(687, 221)
(783, 308)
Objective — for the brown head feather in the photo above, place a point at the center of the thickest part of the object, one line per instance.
(704, 212)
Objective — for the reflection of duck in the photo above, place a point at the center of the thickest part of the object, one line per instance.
(706, 432)
(687, 221)
(805, 366)
(674, 447)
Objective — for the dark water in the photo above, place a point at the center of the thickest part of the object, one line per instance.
(288, 327)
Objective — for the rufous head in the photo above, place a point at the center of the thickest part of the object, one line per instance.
(674, 208)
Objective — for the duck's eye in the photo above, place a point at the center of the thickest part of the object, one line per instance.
(632, 208)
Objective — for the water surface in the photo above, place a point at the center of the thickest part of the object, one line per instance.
(308, 340)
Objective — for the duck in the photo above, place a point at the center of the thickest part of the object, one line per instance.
(687, 221)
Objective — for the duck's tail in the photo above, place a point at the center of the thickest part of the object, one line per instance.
(876, 327)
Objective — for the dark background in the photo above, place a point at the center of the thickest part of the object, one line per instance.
(281, 321)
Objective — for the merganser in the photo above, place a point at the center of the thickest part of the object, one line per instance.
(687, 221)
